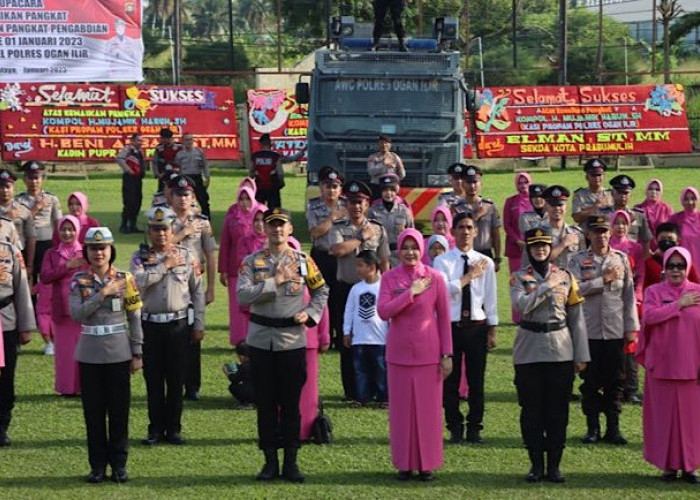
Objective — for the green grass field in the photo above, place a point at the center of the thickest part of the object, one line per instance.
(48, 457)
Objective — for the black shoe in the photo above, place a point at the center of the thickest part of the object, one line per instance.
(124, 229)
(175, 438)
(96, 476)
(591, 436)
(474, 436)
(152, 439)
(537, 469)
(425, 476)
(402, 46)
(290, 469)
(192, 396)
(271, 469)
(614, 438)
(634, 399)
(554, 475)
(119, 475)
(4, 439)
(669, 476)
(457, 434)
(690, 478)
(612, 431)
(404, 475)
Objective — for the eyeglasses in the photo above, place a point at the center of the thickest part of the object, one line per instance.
(678, 266)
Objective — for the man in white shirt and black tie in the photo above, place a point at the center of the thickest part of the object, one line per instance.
(471, 283)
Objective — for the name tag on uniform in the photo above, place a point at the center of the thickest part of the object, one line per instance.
(116, 304)
(302, 267)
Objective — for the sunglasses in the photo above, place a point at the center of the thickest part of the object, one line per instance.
(678, 266)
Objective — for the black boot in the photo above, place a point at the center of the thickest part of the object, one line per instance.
(474, 434)
(457, 434)
(4, 438)
(554, 475)
(375, 45)
(592, 436)
(124, 227)
(290, 469)
(133, 228)
(537, 469)
(271, 469)
(612, 432)
(402, 45)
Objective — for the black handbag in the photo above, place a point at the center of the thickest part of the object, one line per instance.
(322, 430)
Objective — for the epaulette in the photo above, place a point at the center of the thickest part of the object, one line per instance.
(314, 201)
(6, 218)
(487, 200)
(579, 189)
(49, 193)
(638, 210)
(342, 221)
(375, 221)
(201, 216)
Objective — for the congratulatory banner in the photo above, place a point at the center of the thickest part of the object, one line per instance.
(587, 120)
(69, 122)
(70, 41)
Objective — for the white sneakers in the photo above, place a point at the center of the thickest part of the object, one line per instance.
(48, 349)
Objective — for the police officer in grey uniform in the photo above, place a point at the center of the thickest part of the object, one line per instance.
(566, 240)
(172, 316)
(550, 347)
(393, 216)
(18, 214)
(349, 237)
(594, 199)
(457, 173)
(639, 229)
(107, 304)
(488, 239)
(605, 280)
(272, 282)
(321, 213)
(193, 163)
(193, 231)
(537, 216)
(45, 209)
(17, 324)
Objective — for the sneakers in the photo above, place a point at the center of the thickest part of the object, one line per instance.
(49, 349)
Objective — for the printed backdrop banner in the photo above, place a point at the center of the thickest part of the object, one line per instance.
(72, 122)
(516, 122)
(70, 41)
(276, 112)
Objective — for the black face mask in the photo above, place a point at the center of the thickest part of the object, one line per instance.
(666, 243)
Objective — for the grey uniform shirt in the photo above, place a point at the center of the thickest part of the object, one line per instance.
(169, 290)
(610, 308)
(558, 235)
(585, 198)
(88, 309)
(448, 199)
(394, 221)
(486, 224)
(316, 212)
(8, 232)
(46, 218)
(202, 240)
(256, 287)
(18, 314)
(343, 230)
(192, 162)
(23, 221)
(531, 219)
(537, 302)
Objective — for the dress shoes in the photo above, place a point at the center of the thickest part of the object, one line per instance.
(119, 475)
(690, 478)
(192, 396)
(474, 436)
(271, 469)
(425, 476)
(96, 476)
(404, 475)
(175, 438)
(669, 476)
(290, 469)
(591, 436)
(537, 470)
(152, 439)
(457, 434)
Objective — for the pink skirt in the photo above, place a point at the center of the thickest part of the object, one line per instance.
(671, 421)
(308, 402)
(415, 417)
(237, 319)
(66, 333)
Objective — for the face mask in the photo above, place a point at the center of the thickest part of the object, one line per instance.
(666, 243)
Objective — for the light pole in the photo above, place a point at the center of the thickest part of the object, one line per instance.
(627, 79)
(481, 60)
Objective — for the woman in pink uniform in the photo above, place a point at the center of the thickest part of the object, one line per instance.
(238, 223)
(620, 222)
(59, 265)
(512, 209)
(413, 297)
(441, 222)
(688, 220)
(251, 243)
(318, 340)
(669, 349)
(655, 210)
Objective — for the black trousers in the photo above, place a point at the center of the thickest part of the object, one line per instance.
(544, 390)
(278, 377)
(603, 378)
(631, 376)
(132, 196)
(271, 197)
(164, 362)
(193, 374)
(347, 365)
(201, 194)
(470, 343)
(328, 265)
(40, 249)
(7, 378)
(396, 8)
(106, 396)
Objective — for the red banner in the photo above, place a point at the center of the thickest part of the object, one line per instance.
(71, 122)
(276, 112)
(587, 120)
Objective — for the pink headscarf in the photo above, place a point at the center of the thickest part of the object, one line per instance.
(83, 200)
(249, 182)
(69, 250)
(414, 234)
(618, 213)
(685, 254)
(689, 189)
(518, 176)
(294, 243)
(655, 181)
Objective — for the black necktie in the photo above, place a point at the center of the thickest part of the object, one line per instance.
(466, 293)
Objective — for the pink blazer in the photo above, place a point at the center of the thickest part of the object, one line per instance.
(54, 272)
(419, 327)
(513, 207)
